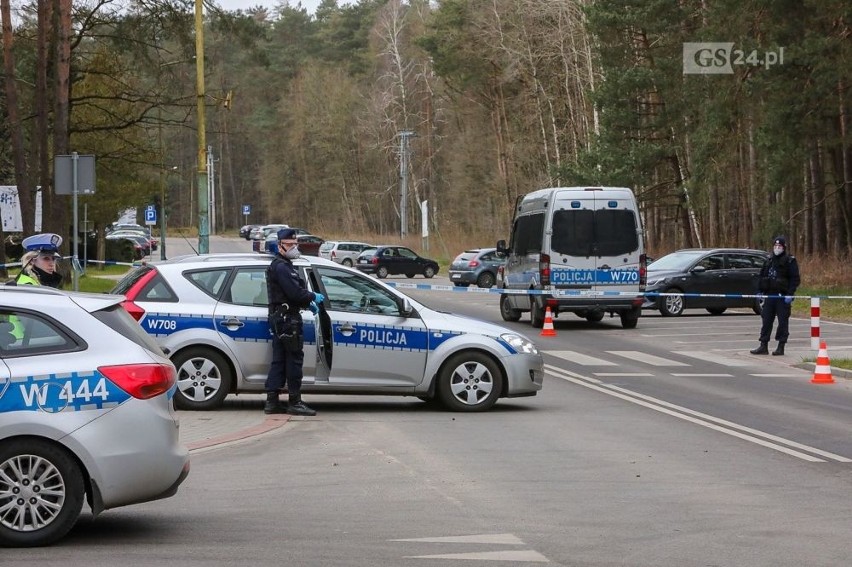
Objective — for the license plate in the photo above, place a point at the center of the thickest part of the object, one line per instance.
(456, 276)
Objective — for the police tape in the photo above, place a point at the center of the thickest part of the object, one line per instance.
(104, 262)
(593, 293)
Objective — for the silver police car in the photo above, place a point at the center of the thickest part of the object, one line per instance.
(85, 412)
(210, 313)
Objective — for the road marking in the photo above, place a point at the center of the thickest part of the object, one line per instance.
(521, 556)
(776, 375)
(580, 358)
(623, 374)
(497, 539)
(717, 358)
(717, 424)
(646, 358)
(696, 375)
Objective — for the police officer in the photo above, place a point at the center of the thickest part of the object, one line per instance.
(38, 264)
(779, 279)
(288, 295)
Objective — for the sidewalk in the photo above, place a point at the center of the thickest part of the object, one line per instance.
(241, 417)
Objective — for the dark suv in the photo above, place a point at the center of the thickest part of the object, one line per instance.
(391, 260)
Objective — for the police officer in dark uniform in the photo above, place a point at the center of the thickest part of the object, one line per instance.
(779, 279)
(288, 294)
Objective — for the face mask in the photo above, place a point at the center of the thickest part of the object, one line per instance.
(778, 250)
(292, 253)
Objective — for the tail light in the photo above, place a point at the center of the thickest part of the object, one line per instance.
(375, 261)
(544, 269)
(473, 263)
(643, 271)
(142, 381)
(135, 311)
(333, 254)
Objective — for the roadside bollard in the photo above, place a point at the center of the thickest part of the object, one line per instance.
(815, 323)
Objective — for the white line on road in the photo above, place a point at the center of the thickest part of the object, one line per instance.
(525, 556)
(623, 374)
(697, 375)
(580, 358)
(717, 358)
(727, 427)
(501, 539)
(646, 358)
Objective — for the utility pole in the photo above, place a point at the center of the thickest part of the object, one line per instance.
(203, 229)
(211, 182)
(403, 181)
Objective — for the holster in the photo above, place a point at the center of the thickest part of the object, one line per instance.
(287, 328)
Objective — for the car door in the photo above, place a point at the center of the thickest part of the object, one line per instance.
(710, 280)
(375, 347)
(391, 259)
(742, 273)
(410, 262)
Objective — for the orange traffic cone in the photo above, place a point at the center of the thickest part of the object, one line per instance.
(547, 329)
(822, 372)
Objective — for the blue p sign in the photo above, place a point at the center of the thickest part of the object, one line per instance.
(150, 215)
(246, 209)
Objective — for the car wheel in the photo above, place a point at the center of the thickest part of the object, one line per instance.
(429, 272)
(410, 275)
(595, 316)
(716, 310)
(204, 378)
(462, 284)
(382, 272)
(629, 319)
(486, 280)
(506, 310)
(347, 262)
(469, 381)
(671, 305)
(536, 314)
(41, 493)
(758, 306)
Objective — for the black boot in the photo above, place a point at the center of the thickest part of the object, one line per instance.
(762, 349)
(298, 407)
(779, 350)
(272, 404)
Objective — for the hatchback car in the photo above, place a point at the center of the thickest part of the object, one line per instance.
(210, 312)
(388, 260)
(714, 279)
(342, 252)
(309, 245)
(79, 381)
(476, 266)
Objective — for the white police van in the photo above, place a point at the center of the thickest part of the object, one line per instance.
(584, 241)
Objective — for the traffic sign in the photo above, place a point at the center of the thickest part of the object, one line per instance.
(246, 209)
(150, 215)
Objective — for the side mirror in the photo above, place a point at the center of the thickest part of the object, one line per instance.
(501, 247)
(698, 269)
(405, 308)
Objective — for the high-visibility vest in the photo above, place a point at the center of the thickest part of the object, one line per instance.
(26, 279)
(17, 326)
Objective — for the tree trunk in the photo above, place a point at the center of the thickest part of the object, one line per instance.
(55, 211)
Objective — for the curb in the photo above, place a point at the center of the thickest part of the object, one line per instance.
(269, 424)
(835, 372)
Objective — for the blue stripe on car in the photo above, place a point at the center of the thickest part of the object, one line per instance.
(53, 393)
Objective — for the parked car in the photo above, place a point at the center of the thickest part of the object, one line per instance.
(476, 266)
(80, 381)
(342, 251)
(729, 271)
(151, 243)
(259, 236)
(210, 312)
(140, 246)
(245, 230)
(309, 245)
(388, 260)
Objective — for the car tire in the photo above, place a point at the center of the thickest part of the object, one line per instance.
(670, 305)
(507, 312)
(716, 310)
(382, 272)
(536, 314)
(204, 379)
(486, 280)
(429, 272)
(40, 465)
(469, 381)
(462, 284)
(410, 275)
(629, 319)
(595, 316)
(347, 262)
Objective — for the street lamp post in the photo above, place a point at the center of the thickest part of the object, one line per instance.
(203, 230)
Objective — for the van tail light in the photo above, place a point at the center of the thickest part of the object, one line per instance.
(142, 381)
(643, 271)
(473, 263)
(375, 261)
(544, 269)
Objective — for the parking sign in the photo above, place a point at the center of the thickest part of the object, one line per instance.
(246, 209)
(150, 215)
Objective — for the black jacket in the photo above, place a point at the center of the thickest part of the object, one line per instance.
(779, 275)
(284, 286)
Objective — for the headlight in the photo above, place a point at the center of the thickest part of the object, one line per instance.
(519, 343)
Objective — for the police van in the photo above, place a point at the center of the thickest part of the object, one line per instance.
(580, 250)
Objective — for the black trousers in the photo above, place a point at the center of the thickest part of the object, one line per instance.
(775, 306)
(286, 365)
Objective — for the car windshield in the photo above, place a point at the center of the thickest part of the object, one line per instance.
(676, 260)
(369, 251)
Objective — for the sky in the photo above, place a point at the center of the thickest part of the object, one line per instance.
(310, 5)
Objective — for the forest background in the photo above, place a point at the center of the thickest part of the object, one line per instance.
(305, 112)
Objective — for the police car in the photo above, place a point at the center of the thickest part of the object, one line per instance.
(85, 412)
(210, 313)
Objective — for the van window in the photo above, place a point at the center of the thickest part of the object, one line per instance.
(605, 232)
(528, 233)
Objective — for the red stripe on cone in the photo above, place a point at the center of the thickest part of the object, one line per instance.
(822, 372)
(547, 329)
